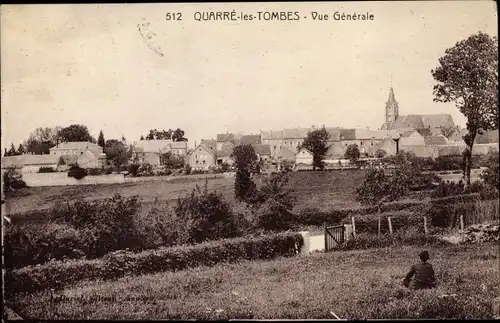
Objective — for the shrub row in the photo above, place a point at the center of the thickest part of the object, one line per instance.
(314, 216)
(410, 236)
(57, 274)
(403, 219)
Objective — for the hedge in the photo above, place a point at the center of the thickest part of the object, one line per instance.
(404, 219)
(407, 237)
(57, 274)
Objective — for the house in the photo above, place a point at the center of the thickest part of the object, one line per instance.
(335, 151)
(274, 139)
(285, 155)
(410, 137)
(75, 148)
(202, 157)
(487, 137)
(224, 138)
(421, 151)
(388, 145)
(30, 163)
(91, 159)
(151, 151)
(263, 152)
(304, 157)
(294, 137)
(438, 140)
(223, 155)
(66, 161)
(250, 140)
(348, 137)
(367, 140)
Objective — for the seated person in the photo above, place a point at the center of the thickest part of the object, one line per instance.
(422, 273)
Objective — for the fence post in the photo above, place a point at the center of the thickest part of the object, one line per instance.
(390, 224)
(425, 225)
(461, 222)
(326, 241)
(379, 219)
(353, 228)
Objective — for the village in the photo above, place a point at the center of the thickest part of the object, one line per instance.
(427, 136)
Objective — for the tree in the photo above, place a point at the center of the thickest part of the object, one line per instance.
(75, 132)
(490, 176)
(21, 149)
(155, 134)
(468, 76)
(245, 160)
(42, 139)
(380, 153)
(12, 151)
(142, 138)
(317, 143)
(178, 135)
(5, 153)
(352, 153)
(100, 141)
(116, 151)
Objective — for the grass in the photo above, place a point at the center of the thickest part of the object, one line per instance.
(354, 285)
(319, 189)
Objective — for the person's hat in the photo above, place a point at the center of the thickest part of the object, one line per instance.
(424, 254)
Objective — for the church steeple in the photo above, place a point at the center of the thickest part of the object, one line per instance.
(391, 109)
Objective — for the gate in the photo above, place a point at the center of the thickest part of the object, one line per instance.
(334, 236)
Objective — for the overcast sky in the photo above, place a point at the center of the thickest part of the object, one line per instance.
(89, 64)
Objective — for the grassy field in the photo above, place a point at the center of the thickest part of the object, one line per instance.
(320, 189)
(354, 285)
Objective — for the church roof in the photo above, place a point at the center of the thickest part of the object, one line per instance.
(421, 121)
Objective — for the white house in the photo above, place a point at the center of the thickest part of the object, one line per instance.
(304, 157)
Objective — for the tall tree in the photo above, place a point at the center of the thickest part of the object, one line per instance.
(12, 151)
(178, 135)
(20, 149)
(468, 76)
(352, 153)
(245, 160)
(42, 139)
(116, 151)
(317, 143)
(5, 153)
(75, 132)
(100, 141)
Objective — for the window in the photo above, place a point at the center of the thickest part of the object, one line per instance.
(361, 143)
(203, 162)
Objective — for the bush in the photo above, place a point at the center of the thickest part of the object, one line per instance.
(46, 170)
(110, 169)
(145, 169)
(400, 220)
(411, 236)
(105, 225)
(34, 244)
(77, 172)
(187, 169)
(95, 171)
(133, 169)
(13, 180)
(208, 214)
(162, 227)
(58, 274)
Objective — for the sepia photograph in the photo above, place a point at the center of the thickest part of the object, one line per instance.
(250, 161)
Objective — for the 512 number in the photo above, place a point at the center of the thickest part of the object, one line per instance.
(173, 16)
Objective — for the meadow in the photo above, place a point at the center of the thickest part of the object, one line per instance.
(359, 284)
(319, 189)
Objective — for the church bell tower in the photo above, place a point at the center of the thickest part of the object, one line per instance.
(391, 110)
